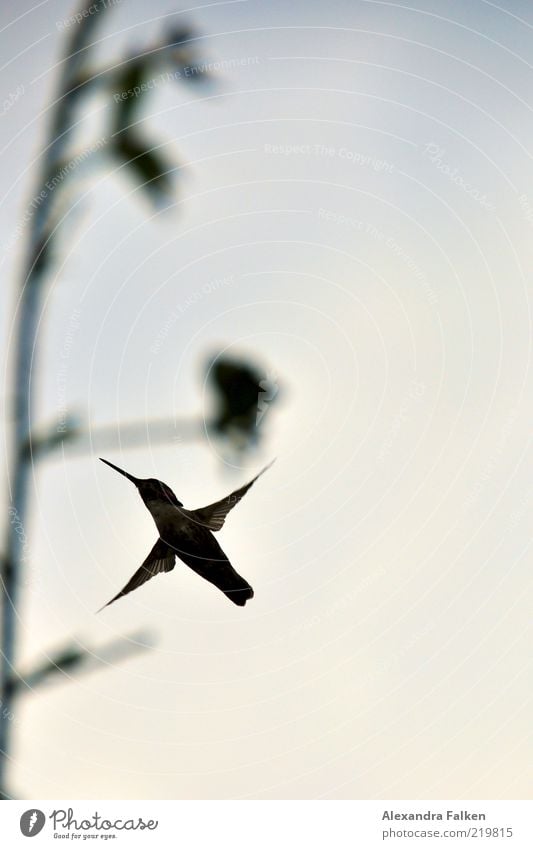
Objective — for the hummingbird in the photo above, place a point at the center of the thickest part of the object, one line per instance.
(187, 534)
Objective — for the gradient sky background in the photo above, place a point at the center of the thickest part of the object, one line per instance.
(386, 651)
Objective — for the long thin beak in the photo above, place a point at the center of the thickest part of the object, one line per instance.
(136, 481)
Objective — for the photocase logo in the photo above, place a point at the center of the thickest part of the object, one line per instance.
(268, 391)
(32, 822)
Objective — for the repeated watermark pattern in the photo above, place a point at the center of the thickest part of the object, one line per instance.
(344, 601)
(18, 527)
(381, 667)
(435, 153)
(523, 506)
(373, 232)
(52, 183)
(415, 393)
(75, 162)
(29, 577)
(61, 376)
(11, 99)
(78, 17)
(527, 209)
(354, 157)
(194, 298)
(490, 467)
(186, 73)
(5, 713)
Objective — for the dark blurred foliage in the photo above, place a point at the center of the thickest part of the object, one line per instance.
(129, 86)
(243, 395)
(148, 167)
(182, 54)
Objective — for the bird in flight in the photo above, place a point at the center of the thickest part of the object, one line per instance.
(187, 534)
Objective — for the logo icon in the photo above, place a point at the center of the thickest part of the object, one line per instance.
(32, 822)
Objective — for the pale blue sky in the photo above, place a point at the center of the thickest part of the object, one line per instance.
(386, 649)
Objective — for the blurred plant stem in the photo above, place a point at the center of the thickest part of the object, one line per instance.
(58, 169)
(126, 145)
(27, 319)
(66, 660)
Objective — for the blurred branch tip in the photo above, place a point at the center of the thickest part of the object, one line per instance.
(48, 440)
(173, 58)
(75, 655)
(244, 395)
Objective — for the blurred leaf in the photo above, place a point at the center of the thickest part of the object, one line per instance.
(148, 168)
(181, 54)
(128, 84)
(243, 394)
(178, 36)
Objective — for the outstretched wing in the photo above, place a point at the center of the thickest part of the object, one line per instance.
(162, 558)
(214, 515)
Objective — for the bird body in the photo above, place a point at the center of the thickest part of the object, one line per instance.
(169, 519)
(187, 534)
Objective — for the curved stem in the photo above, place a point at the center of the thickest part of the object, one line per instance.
(25, 358)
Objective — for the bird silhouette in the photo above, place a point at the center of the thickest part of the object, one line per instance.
(187, 534)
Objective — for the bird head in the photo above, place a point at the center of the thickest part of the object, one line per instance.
(150, 489)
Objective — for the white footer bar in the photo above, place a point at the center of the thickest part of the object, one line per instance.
(269, 824)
